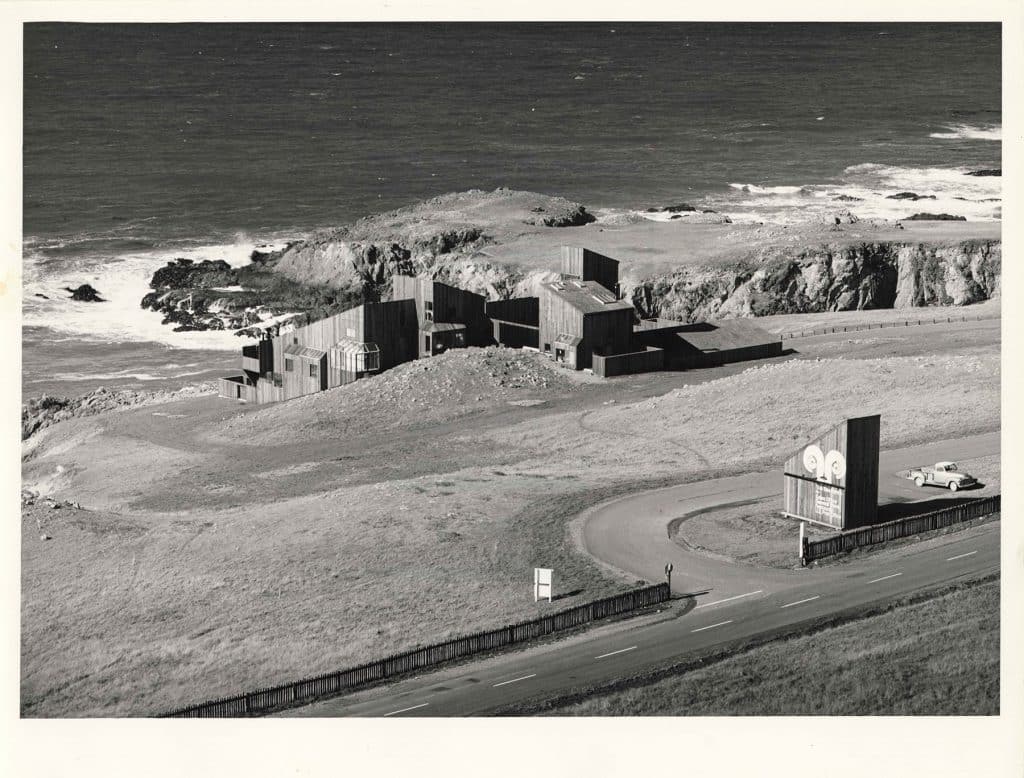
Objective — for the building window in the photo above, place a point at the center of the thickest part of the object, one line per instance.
(277, 379)
(428, 310)
(295, 341)
(547, 348)
(312, 371)
(289, 365)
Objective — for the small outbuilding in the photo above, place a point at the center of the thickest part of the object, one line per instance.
(708, 343)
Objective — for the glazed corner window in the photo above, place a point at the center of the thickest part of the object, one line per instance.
(312, 371)
(289, 365)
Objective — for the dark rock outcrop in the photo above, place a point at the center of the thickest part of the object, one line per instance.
(85, 294)
(265, 255)
(184, 273)
(843, 198)
(935, 217)
(575, 217)
(909, 196)
(989, 172)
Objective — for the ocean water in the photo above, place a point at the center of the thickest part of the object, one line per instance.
(146, 142)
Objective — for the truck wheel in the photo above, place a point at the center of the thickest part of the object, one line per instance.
(953, 486)
(919, 480)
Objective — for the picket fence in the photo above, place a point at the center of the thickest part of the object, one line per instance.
(265, 700)
(883, 325)
(900, 528)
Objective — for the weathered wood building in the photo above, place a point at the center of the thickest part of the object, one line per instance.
(578, 321)
(707, 343)
(327, 353)
(582, 264)
(833, 480)
(515, 321)
(447, 317)
(579, 318)
(423, 318)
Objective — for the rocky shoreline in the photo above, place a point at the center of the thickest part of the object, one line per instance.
(830, 266)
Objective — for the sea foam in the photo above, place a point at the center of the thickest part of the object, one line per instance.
(122, 280)
(866, 190)
(970, 132)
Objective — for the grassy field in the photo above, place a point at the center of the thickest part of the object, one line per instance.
(937, 657)
(209, 559)
(805, 322)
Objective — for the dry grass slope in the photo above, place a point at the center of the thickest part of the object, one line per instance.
(202, 568)
(939, 657)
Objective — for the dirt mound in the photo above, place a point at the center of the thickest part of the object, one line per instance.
(451, 385)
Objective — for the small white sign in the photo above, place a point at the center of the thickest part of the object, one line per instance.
(542, 583)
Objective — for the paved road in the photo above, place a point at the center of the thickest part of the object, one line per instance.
(630, 533)
(728, 603)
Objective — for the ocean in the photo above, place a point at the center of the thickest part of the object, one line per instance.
(147, 142)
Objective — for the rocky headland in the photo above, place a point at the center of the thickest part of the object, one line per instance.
(505, 243)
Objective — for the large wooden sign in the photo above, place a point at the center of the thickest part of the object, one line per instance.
(833, 480)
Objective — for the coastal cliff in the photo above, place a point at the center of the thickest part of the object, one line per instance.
(827, 278)
(504, 244)
(437, 236)
(814, 279)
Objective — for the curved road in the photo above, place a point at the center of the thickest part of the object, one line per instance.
(728, 603)
(630, 533)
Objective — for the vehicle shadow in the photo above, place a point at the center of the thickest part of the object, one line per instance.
(900, 510)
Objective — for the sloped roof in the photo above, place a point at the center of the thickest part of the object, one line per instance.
(304, 352)
(721, 335)
(440, 326)
(572, 341)
(587, 296)
(350, 346)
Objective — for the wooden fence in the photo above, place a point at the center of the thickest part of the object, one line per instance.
(900, 528)
(884, 325)
(645, 361)
(265, 700)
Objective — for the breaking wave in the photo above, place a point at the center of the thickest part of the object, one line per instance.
(768, 190)
(970, 132)
(121, 275)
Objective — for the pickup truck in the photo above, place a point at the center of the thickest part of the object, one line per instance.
(945, 474)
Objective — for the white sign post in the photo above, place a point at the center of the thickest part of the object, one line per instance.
(542, 583)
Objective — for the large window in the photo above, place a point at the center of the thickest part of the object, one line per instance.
(428, 310)
(289, 365)
(312, 371)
